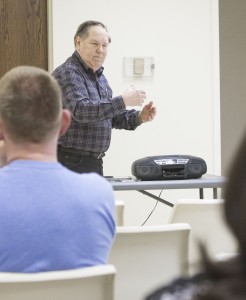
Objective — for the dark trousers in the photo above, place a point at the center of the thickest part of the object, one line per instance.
(80, 163)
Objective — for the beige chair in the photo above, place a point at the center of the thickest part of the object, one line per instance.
(91, 283)
(148, 257)
(207, 225)
(119, 212)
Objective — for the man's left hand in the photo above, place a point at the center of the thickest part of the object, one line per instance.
(148, 113)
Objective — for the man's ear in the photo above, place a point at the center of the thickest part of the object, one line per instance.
(1, 132)
(77, 42)
(65, 121)
(3, 156)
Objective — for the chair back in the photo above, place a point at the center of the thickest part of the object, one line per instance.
(119, 212)
(207, 226)
(90, 283)
(147, 257)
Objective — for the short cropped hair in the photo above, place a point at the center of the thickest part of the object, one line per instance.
(83, 29)
(30, 104)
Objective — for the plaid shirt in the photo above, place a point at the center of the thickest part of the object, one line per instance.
(94, 111)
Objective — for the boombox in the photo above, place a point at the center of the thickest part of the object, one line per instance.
(169, 167)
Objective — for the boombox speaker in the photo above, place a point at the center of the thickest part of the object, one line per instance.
(164, 167)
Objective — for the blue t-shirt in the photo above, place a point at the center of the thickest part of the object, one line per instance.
(52, 218)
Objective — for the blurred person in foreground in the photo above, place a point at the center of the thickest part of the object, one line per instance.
(223, 279)
(89, 98)
(51, 218)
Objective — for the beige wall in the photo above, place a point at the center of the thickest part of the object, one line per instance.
(182, 37)
(232, 28)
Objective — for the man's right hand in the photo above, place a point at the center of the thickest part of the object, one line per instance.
(133, 97)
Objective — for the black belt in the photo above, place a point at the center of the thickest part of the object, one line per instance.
(96, 155)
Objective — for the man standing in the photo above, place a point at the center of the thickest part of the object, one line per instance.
(88, 96)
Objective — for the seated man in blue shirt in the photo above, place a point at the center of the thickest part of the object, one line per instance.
(51, 218)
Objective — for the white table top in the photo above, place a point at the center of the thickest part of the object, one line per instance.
(130, 183)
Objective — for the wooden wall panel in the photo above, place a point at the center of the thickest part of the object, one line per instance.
(23, 34)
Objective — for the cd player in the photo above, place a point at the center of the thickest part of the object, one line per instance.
(168, 167)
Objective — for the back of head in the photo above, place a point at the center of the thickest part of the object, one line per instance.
(30, 104)
(235, 197)
(229, 276)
